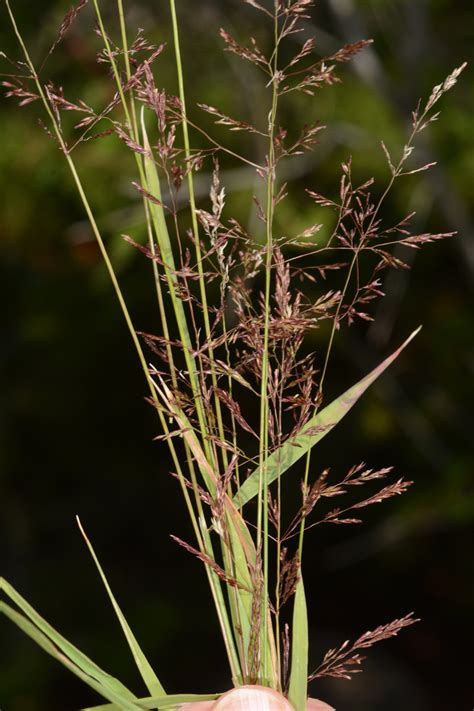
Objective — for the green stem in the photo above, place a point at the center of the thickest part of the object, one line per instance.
(203, 540)
(194, 221)
(321, 382)
(207, 546)
(227, 557)
(132, 119)
(177, 305)
(262, 505)
(139, 162)
(86, 205)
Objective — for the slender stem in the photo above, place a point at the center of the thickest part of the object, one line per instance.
(395, 174)
(195, 227)
(228, 561)
(262, 505)
(86, 205)
(139, 162)
(228, 558)
(202, 538)
(177, 305)
(123, 32)
(113, 63)
(321, 382)
(207, 545)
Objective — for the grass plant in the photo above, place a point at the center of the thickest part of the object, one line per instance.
(239, 398)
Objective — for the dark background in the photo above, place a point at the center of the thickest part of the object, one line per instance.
(76, 435)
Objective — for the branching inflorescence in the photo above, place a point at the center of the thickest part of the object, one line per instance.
(235, 309)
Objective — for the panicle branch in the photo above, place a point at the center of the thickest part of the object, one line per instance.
(343, 662)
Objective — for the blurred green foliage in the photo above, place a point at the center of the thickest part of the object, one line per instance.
(76, 435)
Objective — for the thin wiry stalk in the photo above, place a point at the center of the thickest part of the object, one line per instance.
(177, 305)
(108, 263)
(201, 532)
(321, 383)
(195, 227)
(207, 328)
(86, 205)
(262, 505)
(139, 162)
(135, 133)
(113, 64)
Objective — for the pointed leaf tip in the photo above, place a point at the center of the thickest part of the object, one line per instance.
(144, 667)
(317, 427)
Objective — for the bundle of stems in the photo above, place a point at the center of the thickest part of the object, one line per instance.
(235, 309)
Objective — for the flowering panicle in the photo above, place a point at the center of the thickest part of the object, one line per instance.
(235, 386)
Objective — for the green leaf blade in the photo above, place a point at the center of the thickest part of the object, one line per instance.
(322, 423)
(104, 684)
(161, 702)
(298, 690)
(152, 682)
(78, 658)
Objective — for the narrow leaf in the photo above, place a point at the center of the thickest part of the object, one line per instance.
(108, 687)
(241, 543)
(74, 654)
(161, 702)
(148, 675)
(298, 691)
(242, 610)
(152, 186)
(319, 425)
